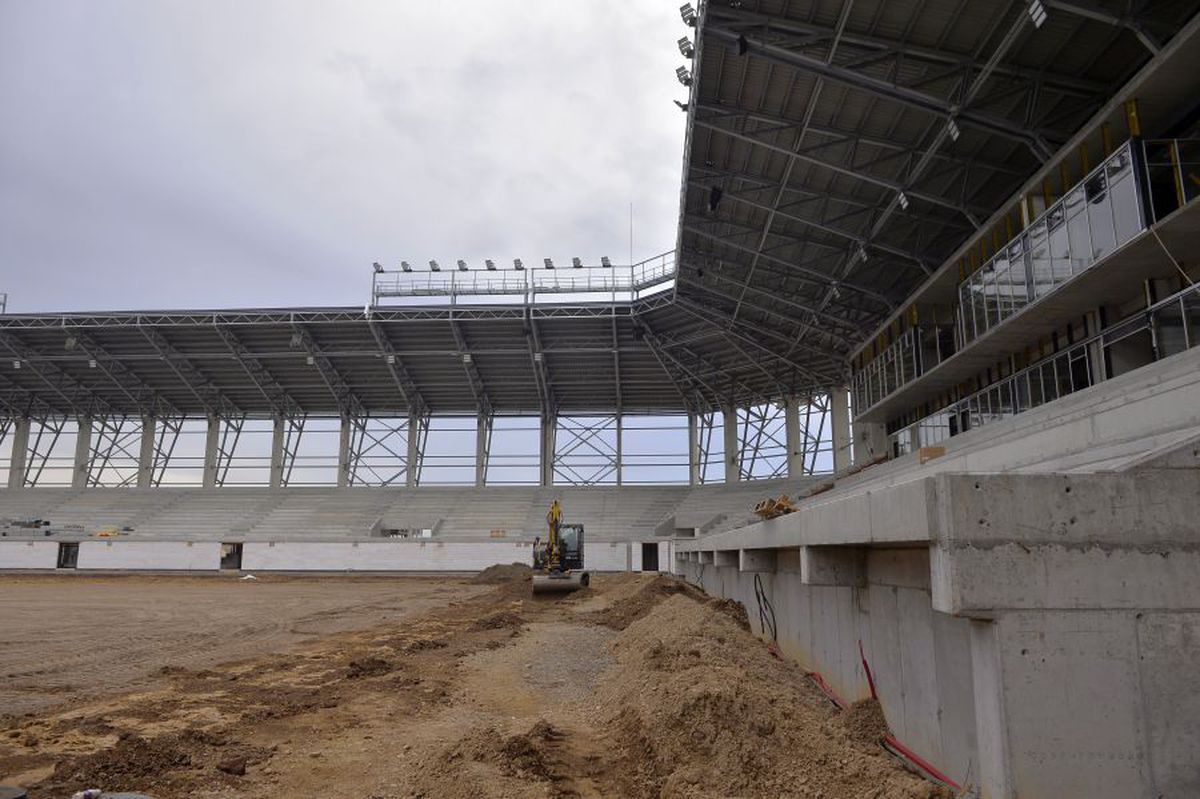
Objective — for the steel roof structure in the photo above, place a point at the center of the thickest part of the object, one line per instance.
(836, 154)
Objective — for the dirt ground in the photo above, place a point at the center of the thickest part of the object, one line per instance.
(637, 686)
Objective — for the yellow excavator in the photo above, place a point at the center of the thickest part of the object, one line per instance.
(558, 561)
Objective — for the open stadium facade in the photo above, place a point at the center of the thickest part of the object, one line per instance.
(935, 278)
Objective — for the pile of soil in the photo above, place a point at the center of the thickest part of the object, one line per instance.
(501, 573)
(628, 608)
(368, 667)
(500, 620)
(864, 722)
(489, 763)
(698, 707)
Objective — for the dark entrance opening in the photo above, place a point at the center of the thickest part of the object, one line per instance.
(68, 555)
(231, 557)
(649, 557)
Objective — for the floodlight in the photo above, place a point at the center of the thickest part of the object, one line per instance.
(682, 74)
(517, 264)
(688, 14)
(91, 363)
(1037, 12)
(378, 268)
(537, 357)
(578, 264)
(466, 357)
(490, 264)
(16, 364)
(862, 252)
(405, 266)
(546, 262)
(309, 360)
(433, 266)
(903, 198)
(685, 47)
(462, 265)
(605, 262)
(70, 343)
(952, 128)
(391, 359)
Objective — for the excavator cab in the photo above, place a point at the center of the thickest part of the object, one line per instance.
(558, 560)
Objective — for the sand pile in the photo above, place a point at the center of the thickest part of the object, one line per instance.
(503, 573)
(698, 707)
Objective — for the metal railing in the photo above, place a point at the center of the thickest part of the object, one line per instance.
(1168, 327)
(586, 284)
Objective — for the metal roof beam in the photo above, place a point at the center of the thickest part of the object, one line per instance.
(541, 375)
(208, 395)
(1066, 84)
(848, 171)
(924, 263)
(277, 397)
(941, 108)
(1095, 12)
(347, 401)
(399, 372)
(81, 400)
(482, 402)
(149, 401)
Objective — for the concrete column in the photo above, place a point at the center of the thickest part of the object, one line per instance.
(870, 441)
(83, 453)
(212, 449)
(839, 419)
(693, 450)
(343, 472)
(277, 434)
(991, 726)
(20, 453)
(791, 426)
(413, 456)
(546, 458)
(733, 452)
(145, 474)
(482, 424)
(620, 434)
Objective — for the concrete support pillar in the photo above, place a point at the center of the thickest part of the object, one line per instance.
(791, 426)
(20, 453)
(343, 468)
(546, 459)
(693, 450)
(145, 474)
(483, 426)
(277, 437)
(839, 420)
(870, 441)
(733, 451)
(83, 453)
(212, 450)
(620, 458)
(413, 455)
(991, 726)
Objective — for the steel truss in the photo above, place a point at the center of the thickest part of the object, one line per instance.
(44, 434)
(378, 453)
(587, 450)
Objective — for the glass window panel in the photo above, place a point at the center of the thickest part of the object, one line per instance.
(1191, 314)
(1188, 151)
(1021, 393)
(1060, 249)
(1040, 264)
(1169, 333)
(1100, 216)
(1036, 396)
(1081, 377)
(1127, 216)
(1049, 382)
(1078, 234)
(978, 305)
(1062, 372)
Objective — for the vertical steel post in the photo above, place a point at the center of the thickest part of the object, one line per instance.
(483, 443)
(546, 460)
(343, 465)
(693, 450)
(277, 451)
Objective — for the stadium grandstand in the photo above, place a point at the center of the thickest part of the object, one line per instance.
(934, 281)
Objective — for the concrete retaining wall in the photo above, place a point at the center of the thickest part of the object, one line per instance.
(28, 554)
(150, 555)
(920, 659)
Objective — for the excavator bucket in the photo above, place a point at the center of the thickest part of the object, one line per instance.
(560, 583)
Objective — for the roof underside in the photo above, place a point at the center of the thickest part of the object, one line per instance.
(807, 122)
(810, 119)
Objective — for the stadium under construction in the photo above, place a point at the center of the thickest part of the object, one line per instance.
(933, 281)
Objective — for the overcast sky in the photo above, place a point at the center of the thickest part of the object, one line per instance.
(218, 154)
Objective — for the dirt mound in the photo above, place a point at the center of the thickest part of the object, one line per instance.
(731, 720)
(501, 620)
(864, 722)
(503, 573)
(368, 667)
(627, 609)
(486, 762)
